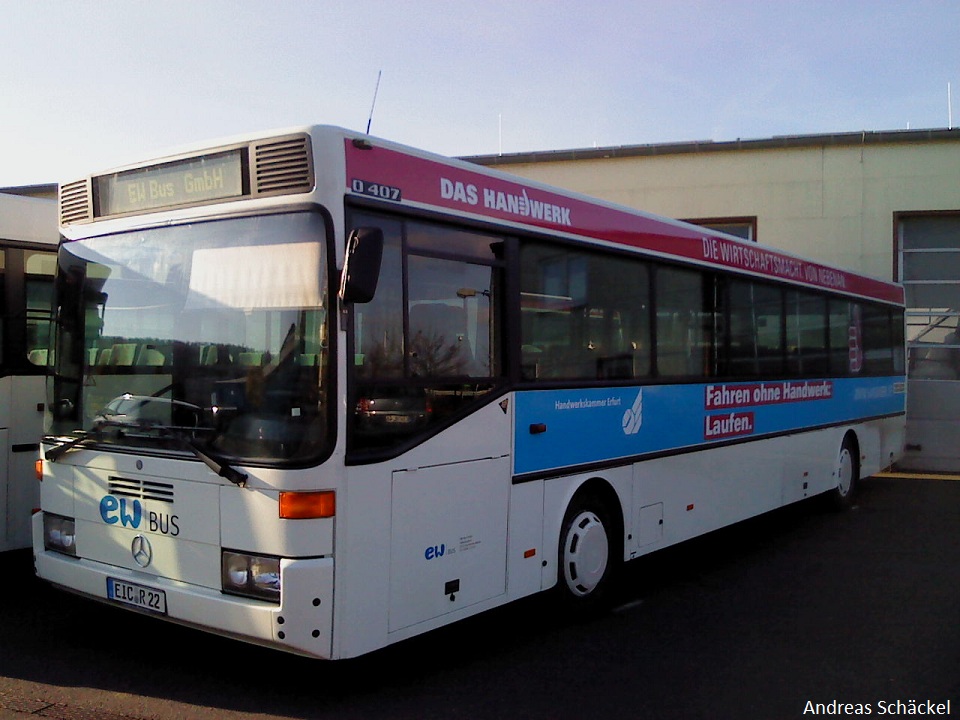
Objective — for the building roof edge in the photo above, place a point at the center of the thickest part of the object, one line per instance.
(777, 142)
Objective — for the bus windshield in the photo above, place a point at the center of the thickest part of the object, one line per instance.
(210, 335)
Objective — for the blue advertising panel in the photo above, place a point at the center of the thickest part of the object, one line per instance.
(565, 428)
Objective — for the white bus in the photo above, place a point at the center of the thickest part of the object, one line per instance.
(322, 392)
(28, 259)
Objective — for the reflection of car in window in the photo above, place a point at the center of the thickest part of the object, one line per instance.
(392, 411)
(145, 412)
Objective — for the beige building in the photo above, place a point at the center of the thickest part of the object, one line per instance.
(883, 203)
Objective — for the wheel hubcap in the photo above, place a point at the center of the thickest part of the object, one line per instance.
(845, 472)
(585, 554)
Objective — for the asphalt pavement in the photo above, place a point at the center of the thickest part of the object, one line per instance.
(803, 612)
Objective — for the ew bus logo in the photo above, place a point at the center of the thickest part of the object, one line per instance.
(633, 417)
(116, 510)
(131, 514)
(434, 551)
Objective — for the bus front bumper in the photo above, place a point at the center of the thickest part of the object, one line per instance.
(302, 623)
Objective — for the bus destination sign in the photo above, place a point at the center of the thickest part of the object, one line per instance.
(184, 182)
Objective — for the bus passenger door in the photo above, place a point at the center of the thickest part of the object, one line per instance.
(454, 555)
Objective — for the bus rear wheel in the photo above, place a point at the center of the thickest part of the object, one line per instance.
(847, 475)
(588, 561)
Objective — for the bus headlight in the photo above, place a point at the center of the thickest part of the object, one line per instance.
(254, 576)
(59, 534)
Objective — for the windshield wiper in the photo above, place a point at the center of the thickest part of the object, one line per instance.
(220, 466)
(182, 435)
(66, 446)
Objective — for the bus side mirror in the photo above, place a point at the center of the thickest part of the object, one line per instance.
(361, 268)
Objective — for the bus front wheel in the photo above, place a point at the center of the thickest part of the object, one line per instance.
(588, 560)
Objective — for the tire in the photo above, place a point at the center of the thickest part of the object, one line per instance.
(847, 475)
(588, 557)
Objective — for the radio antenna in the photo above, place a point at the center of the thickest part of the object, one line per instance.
(374, 103)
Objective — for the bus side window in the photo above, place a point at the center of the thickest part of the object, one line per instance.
(806, 317)
(844, 338)
(378, 324)
(3, 305)
(584, 316)
(683, 340)
(449, 318)
(426, 347)
(40, 269)
(878, 344)
(755, 312)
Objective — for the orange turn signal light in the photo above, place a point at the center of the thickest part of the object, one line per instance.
(38, 469)
(308, 505)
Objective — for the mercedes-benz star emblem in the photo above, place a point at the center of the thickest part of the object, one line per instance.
(141, 550)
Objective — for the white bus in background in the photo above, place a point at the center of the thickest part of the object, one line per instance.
(28, 258)
(322, 392)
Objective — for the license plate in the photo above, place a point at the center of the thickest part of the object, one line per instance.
(139, 596)
(397, 419)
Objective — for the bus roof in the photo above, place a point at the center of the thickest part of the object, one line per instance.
(387, 171)
(408, 177)
(28, 219)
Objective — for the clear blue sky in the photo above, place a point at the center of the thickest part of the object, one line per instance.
(86, 85)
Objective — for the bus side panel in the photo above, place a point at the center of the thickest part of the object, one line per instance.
(692, 494)
(7, 539)
(695, 493)
(26, 403)
(6, 399)
(429, 543)
(891, 437)
(893, 440)
(869, 439)
(525, 549)
(680, 497)
(21, 424)
(361, 594)
(22, 494)
(590, 425)
(809, 462)
(25, 424)
(881, 444)
(454, 557)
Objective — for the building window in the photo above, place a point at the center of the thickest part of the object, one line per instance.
(929, 268)
(744, 228)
